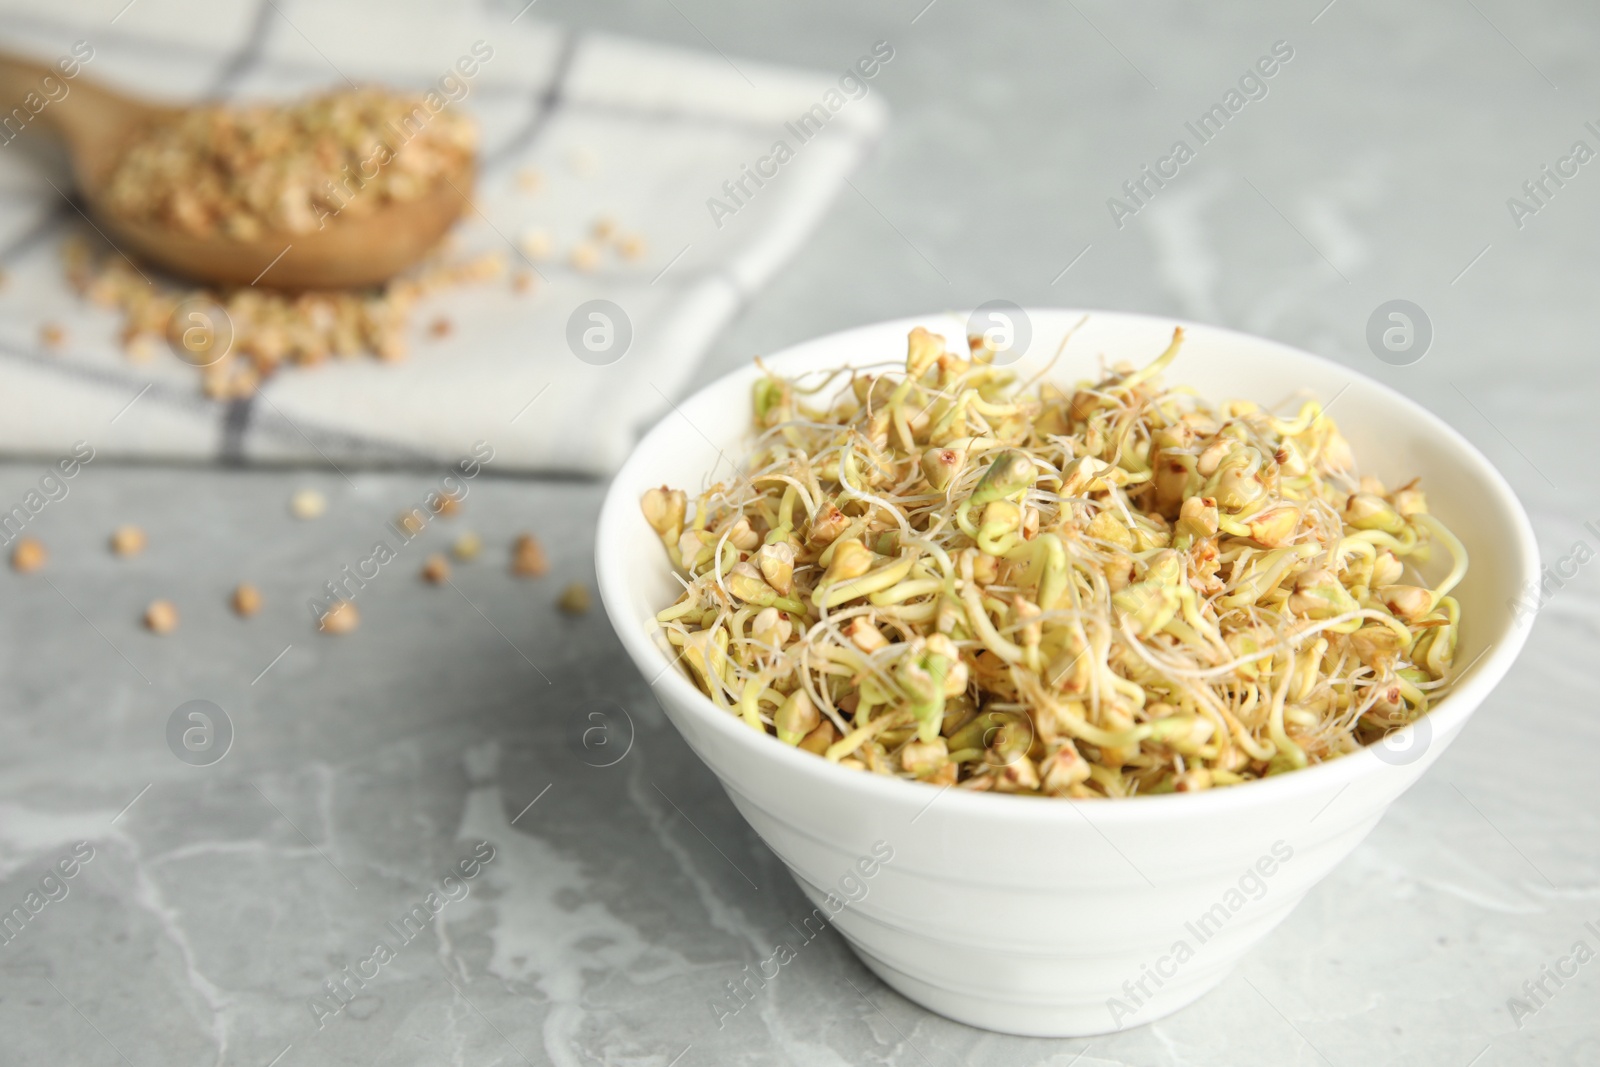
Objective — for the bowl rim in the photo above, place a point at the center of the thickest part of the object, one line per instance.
(1448, 716)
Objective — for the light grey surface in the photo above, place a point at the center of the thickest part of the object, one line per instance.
(614, 909)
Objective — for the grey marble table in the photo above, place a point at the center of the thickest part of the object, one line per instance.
(209, 904)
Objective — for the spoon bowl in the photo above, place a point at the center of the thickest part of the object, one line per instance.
(345, 254)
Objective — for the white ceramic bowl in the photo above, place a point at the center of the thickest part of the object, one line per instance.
(1055, 917)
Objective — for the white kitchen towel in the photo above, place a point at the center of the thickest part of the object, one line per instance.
(673, 144)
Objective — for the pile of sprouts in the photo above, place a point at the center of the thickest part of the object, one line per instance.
(937, 574)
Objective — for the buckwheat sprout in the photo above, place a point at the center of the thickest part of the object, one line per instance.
(1458, 554)
(1097, 591)
(801, 491)
(848, 491)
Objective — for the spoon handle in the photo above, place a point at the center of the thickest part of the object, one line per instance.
(93, 120)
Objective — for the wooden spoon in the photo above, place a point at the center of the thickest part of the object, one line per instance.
(99, 125)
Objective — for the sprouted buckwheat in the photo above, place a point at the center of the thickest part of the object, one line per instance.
(1100, 592)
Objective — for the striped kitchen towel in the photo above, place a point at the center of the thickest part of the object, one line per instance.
(723, 166)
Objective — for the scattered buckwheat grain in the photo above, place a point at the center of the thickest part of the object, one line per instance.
(272, 330)
(574, 599)
(127, 540)
(51, 335)
(467, 547)
(28, 556)
(340, 618)
(246, 600)
(527, 557)
(161, 617)
(436, 569)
